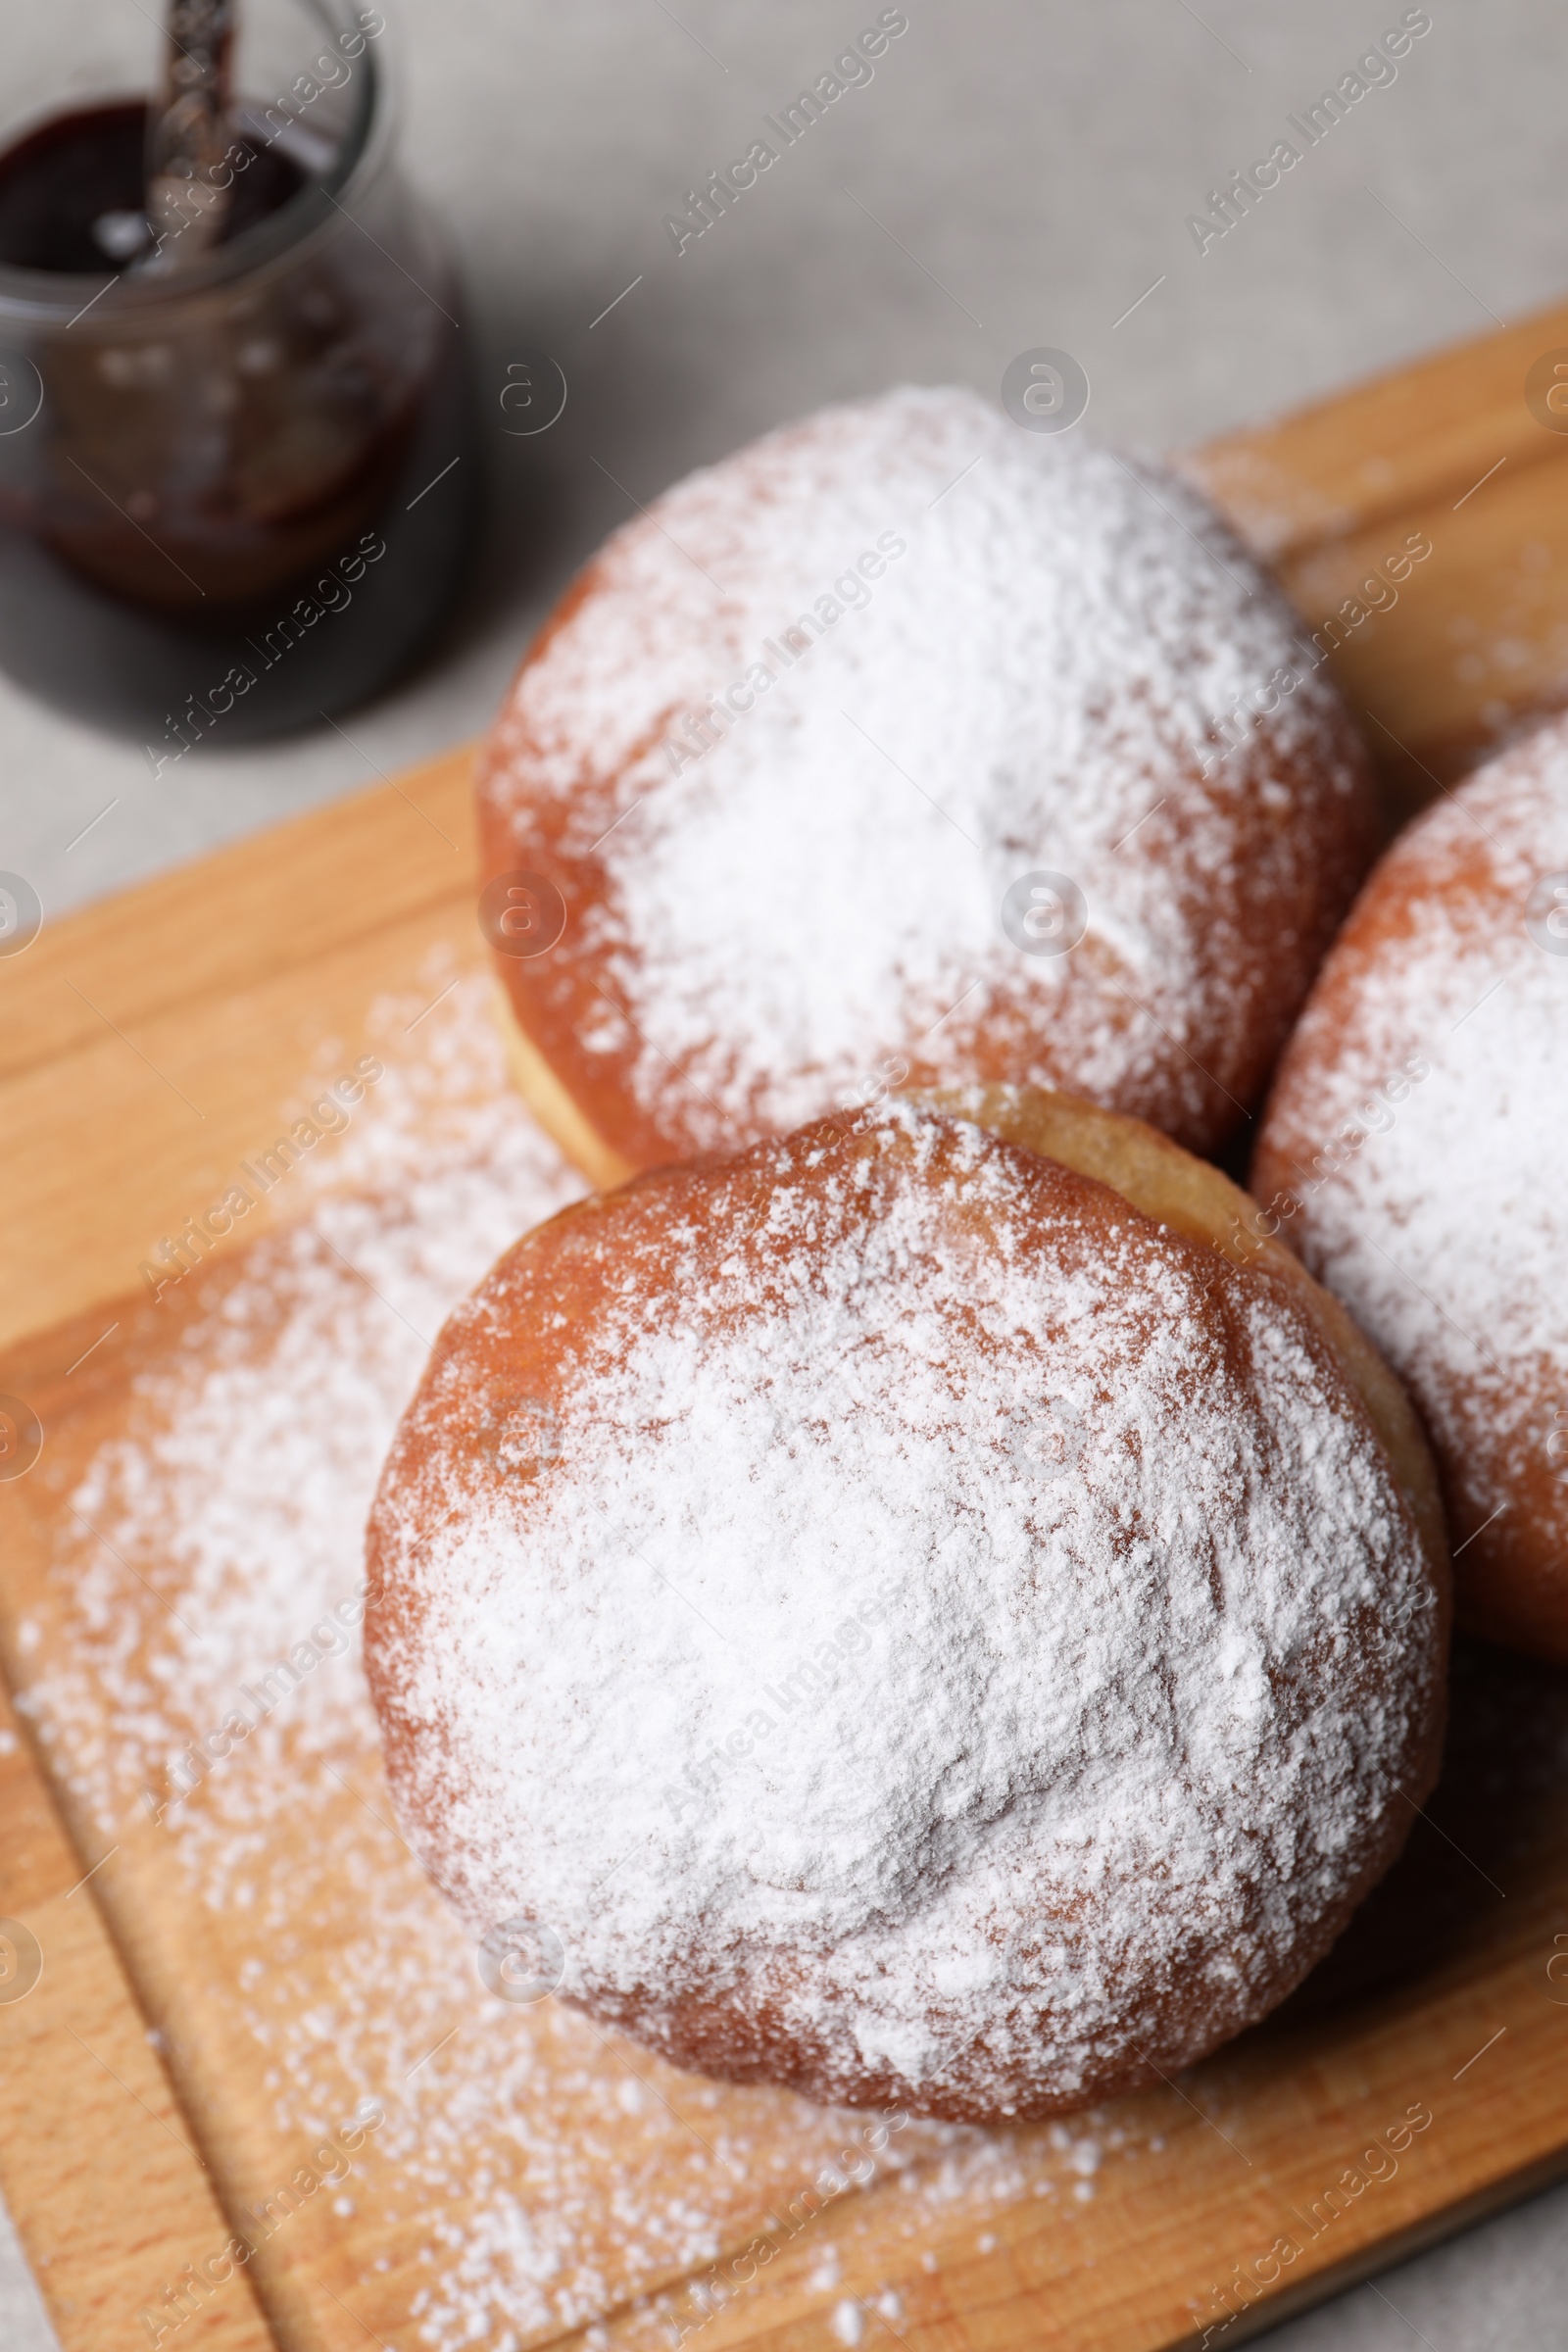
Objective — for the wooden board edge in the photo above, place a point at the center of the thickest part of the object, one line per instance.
(1286, 486)
(445, 776)
(1400, 2245)
(89, 2106)
(253, 1058)
(260, 906)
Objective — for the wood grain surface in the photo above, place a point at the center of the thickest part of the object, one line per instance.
(152, 1042)
(1474, 638)
(97, 2166)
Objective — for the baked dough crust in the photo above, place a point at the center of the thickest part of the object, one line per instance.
(539, 1329)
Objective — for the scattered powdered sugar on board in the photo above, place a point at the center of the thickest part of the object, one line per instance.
(531, 2173)
(253, 1454)
(1032, 682)
(1438, 1209)
(1002, 1776)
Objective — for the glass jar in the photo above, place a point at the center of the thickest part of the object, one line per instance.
(237, 486)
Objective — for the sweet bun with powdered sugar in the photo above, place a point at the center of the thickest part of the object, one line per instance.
(905, 737)
(1414, 1151)
(931, 1607)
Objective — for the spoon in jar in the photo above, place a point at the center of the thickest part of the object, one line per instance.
(189, 133)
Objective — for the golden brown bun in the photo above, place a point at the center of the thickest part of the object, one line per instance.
(1415, 1152)
(555, 1321)
(561, 1116)
(1065, 667)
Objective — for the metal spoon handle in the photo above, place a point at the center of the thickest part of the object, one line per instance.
(189, 131)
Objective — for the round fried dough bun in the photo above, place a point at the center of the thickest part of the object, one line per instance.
(907, 738)
(909, 1618)
(1415, 1151)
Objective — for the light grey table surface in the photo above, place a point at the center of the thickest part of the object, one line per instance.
(1017, 173)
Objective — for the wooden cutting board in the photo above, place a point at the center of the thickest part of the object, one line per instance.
(148, 1043)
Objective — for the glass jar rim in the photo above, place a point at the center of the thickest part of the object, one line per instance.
(42, 299)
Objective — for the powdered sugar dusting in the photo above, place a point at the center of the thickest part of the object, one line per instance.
(984, 1646)
(1441, 1218)
(533, 2172)
(1033, 679)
